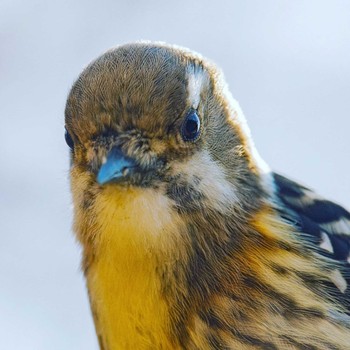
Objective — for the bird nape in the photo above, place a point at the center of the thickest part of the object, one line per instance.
(189, 240)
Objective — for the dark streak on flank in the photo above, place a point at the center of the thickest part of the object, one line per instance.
(213, 321)
(280, 270)
(261, 344)
(298, 345)
(202, 277)
(289, 306)
(203, 274)
(303, 346)
(216, 342)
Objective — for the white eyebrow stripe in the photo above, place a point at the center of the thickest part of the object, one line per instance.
(196, 79)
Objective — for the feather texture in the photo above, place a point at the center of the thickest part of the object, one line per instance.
(196, 245)
(326, 225)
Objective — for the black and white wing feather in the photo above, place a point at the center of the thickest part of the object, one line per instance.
(326, 224)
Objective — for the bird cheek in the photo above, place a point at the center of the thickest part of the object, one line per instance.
(158, 145)
(91, 156)
(81, 182)
(94, 157)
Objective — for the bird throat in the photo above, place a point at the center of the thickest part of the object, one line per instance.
(134, 242)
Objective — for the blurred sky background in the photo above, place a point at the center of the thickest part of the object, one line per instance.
(287, 63)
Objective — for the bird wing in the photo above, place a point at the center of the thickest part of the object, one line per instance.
(327, 222)
(324, 223)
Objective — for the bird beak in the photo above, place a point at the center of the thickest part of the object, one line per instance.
(116, 168)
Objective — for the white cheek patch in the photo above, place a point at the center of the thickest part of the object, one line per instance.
(209, 179)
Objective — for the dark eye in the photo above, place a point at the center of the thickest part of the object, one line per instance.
(191, 127)
(69, 139)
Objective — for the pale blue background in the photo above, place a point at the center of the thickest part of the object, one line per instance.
(287, 62)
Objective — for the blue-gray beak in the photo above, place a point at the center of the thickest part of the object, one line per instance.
(116, 168)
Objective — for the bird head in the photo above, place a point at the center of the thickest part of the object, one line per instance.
(153, 117)
(182, 240)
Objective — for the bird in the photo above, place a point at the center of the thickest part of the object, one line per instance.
(189, 240)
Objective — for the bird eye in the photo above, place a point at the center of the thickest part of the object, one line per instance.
(191, 127)
(69, 139)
